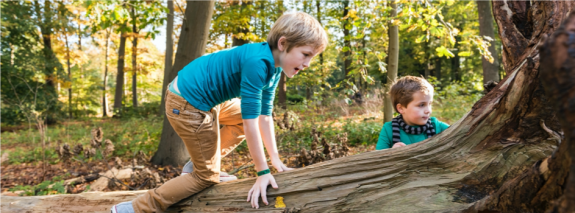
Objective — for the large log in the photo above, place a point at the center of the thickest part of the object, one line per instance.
(506, 155)
(84, 202)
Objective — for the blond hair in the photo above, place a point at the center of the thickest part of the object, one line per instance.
(402, 90)
(299, 29)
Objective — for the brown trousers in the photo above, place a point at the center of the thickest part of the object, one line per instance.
(206, 143)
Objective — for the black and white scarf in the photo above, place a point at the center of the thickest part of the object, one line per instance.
(398, 123)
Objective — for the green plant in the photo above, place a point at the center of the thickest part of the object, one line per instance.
(48, 187)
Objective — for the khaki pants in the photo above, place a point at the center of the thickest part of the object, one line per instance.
(205, 142)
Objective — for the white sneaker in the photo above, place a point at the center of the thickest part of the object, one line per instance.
(224, 177)
(124, 207)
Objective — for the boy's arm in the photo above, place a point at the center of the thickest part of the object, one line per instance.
(252, 132)
(268, 135)
(383, 142)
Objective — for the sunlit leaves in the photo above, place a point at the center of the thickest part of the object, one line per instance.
(442, 51)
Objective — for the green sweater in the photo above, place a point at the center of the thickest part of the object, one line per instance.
(386, 136)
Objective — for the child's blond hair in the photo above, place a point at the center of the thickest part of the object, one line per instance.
(299, 29)
(402, 90)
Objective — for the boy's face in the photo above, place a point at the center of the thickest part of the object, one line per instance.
(418, 111)
(297, 59)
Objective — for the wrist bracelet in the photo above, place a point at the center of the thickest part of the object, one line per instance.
(263, 172)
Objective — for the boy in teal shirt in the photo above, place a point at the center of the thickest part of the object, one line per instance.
(411, 98)
(204, 97)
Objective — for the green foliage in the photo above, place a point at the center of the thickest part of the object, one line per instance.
(48, 187)
(295, 98)
(129, 136)
(26, 92)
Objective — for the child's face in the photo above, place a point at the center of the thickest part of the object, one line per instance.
(297, 59)
(418, 111)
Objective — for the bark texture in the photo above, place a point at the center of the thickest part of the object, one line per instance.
(490, 70)
(119, 94)
(96, 202)
(169, 55)
(392, 64)
(347, 41)
(192, 44)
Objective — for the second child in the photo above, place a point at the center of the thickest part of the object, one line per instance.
(412, 98)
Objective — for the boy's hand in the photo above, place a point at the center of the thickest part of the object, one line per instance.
(260, 187)
(398, 144)
(277, 163)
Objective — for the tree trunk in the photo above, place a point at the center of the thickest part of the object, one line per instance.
(346, 41)
(426, 54)
(490, 70)
(69, 76)
(318, 10)
(392, 64)
(282, 85)
(455, 63)
(240, 41)
(282, 92)
(120, 76)
(437, 68)
(52, 66)
(104, 100)
(169, 55)
(558, 60)
(134, 60)
(192, 44)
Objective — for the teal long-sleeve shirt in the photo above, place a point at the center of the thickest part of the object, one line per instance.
(247, 71)
(385, 140)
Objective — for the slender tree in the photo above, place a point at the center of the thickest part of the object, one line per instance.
(119, 95)
(282, 85)
(347, 39)
(490, 68)
(135, 35)
(104, 97)
(169, 60)
(392, 62)
(52, 66)
(191, 45)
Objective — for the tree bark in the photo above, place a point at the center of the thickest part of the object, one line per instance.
(135, 35)
(120, 76)
(192, 44)
(392, 64)
(282, 85)
(437, 71)
(52, 66)
(69, 76)
(169, 55)
(455, 62)
(97, 202)
(282, 92)
(490, 70)
(346, 41)
(104, 99)
(240, 41)
(558, 69)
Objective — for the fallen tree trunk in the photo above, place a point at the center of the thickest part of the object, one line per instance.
(84, 202)
(508, 154)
